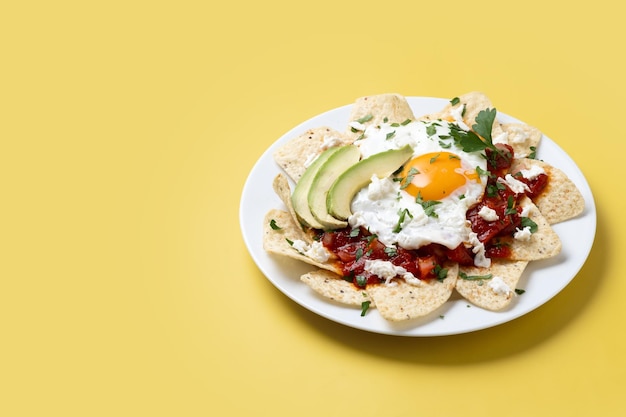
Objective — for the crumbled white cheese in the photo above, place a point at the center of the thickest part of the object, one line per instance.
(498, 286)
(315, 250)
(330, 141)
(533, 172)
(523, 234)
(516, 186)
(357, 126)
(480, 259)
(300, 245)
(488, 214)
(387, 271)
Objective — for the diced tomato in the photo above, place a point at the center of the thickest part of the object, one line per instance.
(426, 265)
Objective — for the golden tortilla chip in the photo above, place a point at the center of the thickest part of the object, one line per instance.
(522, 138)
(494, 293)
(281, 236)
(405, 301)
(334, 287)
(294, 156)
(467, 107)
(282, 189)
(542, 244)
(392, 107)
(561, 200)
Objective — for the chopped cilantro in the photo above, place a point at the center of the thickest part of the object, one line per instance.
(391, 251)
(274, 225)
(431, 130)
(463, 275)
(365, 118)
(390, 135)
(361, 281)
(403, 213)
(365, 305)
(428, 206)
(406, 122)
(510, 206)
(519, 291)
(527, 222)
(455, 101)
(409, 178)
(440, 272)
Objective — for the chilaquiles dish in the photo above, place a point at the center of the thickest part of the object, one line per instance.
(397, 212)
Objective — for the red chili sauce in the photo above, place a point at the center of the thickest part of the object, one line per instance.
(354, 247)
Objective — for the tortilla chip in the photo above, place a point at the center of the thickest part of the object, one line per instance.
(392, 107)
(561, 200)
(282, 189)
(484, 295)
(522, 138)
(405, 301)
(294, 155)
(276, 239)
(332, 286)
(473, 102)
(544, 243)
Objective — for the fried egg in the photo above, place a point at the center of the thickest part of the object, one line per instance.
(427, 200)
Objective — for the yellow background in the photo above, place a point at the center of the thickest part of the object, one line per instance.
(127, 132)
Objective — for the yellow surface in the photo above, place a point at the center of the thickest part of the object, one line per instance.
(127, 132)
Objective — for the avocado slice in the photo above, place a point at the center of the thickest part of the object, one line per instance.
(300, 195)
(343, 190)
(338, 162)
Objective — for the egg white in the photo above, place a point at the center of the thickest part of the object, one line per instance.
(379, 205)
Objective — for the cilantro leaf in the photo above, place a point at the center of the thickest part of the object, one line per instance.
(403, 215)
(365, 305)
(527, 222)
(484, 123)
(274, 225)
(365, 118)
(463, 275)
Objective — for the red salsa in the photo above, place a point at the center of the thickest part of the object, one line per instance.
(353, 247)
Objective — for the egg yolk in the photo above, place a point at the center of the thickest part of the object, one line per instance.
(434, 176)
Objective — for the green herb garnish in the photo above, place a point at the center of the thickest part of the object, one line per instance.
(365, 305)
(274, 225)
(463, 275)
(428, 206)
(527, 222)
(365, 118)
(403, 213)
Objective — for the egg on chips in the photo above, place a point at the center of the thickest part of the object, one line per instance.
(434, 188)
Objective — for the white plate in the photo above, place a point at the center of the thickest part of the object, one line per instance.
(542, 280)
